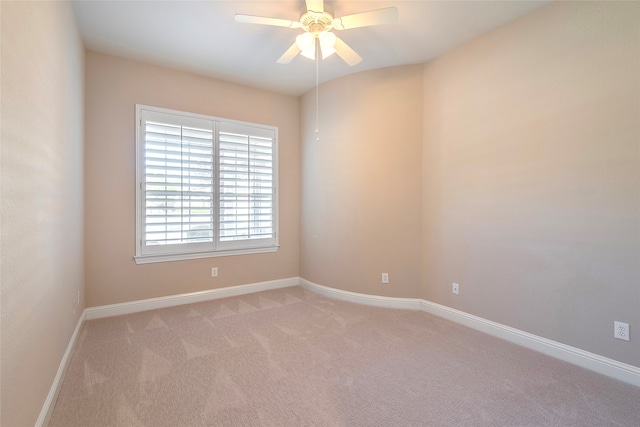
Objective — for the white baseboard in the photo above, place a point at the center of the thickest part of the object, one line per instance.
(591, 361)
(144, 305)
(173, 300)
(365, 299)
(602, 365)
(49, 403)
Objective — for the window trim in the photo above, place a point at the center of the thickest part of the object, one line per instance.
(249, 246)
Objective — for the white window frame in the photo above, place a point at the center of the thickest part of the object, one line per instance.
(174, 252)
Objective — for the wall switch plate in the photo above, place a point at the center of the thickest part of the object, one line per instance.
(455, 288)
(385, 277)
(214, 272)
(621, 331)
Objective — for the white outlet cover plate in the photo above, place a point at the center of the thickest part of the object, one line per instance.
(621, 331)
(455, 288)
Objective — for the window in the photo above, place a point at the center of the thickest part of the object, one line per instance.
(205, 186)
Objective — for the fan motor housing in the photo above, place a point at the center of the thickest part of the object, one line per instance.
(316, 22)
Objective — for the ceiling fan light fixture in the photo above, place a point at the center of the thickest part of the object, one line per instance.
(327, 43)
(317, 24)
(307, 45)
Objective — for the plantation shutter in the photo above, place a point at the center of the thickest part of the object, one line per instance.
(206, 186)
(178, 182)
(246, 185)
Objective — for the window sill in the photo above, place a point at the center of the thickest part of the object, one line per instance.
(149, 259)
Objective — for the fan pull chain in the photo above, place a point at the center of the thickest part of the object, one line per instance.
(317, 108)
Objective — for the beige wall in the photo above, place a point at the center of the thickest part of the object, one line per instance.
(510, 165)
(113, 87)
(527, 191)
(532, 176)
(361, 183)
(41, 191)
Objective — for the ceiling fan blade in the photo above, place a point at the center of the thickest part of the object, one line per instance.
(263, 20)
(366, 19)
(346, 53)
(315, 5)
(288, 56)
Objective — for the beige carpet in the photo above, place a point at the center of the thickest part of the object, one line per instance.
(292, 358)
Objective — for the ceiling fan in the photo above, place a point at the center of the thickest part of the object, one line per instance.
(317, 24)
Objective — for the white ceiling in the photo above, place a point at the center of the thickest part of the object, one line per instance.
(203, 37)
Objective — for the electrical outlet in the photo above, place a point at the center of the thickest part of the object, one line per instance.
(621, 331)
(385, 277)
(455, 288)
(214, 272)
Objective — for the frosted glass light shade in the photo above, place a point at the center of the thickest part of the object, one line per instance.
(327, 43)
(307, 45)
